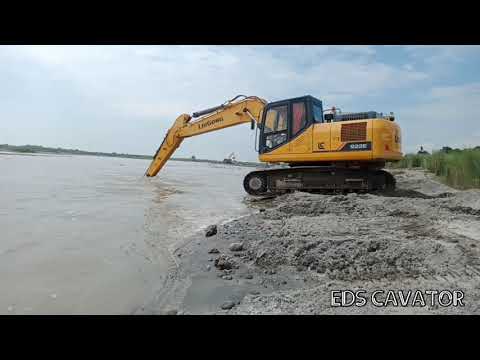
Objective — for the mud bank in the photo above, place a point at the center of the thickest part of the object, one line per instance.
(294, 250)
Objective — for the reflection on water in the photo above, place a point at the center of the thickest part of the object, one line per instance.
(87, 234)
(162, 192)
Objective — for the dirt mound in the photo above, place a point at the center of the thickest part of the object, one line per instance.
(366, 260)
(354, 237)
(351, 259)
(353, 205)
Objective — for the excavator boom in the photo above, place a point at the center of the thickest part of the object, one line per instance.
(233, 112)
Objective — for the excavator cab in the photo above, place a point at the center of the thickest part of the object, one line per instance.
(299, 132)
(283, 121)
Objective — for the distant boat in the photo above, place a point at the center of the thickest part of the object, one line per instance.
(230, 159)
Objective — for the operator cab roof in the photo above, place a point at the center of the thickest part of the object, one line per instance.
(301, 98)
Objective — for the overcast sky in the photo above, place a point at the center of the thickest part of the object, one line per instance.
(124, 98)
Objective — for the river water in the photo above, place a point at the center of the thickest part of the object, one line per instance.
(92, 235)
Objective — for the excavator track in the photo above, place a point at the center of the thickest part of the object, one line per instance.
(317, 179)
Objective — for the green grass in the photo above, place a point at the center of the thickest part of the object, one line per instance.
(458, 168)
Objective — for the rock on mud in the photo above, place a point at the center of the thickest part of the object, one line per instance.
(211, 230)
(236, 246)
(228, 305)
(214, 251)
(224, 263)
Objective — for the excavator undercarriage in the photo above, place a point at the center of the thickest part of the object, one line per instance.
(317, 179)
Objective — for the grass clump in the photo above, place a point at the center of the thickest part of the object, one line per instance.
(457, 168)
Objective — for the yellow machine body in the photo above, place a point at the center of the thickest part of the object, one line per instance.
(328, 142)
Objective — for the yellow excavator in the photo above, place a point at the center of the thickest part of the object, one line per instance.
(315, 149)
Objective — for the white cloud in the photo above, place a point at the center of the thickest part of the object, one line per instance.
(441, 58)
(446, 117)
(466, 92)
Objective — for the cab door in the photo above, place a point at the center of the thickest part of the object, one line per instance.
(300, 131)
(321, 139)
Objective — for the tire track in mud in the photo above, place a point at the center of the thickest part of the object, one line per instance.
(465, 244)
(435, 231)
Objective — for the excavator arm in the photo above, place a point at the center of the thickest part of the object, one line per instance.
(233, 112)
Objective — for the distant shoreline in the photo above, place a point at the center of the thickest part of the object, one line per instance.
(43, 150)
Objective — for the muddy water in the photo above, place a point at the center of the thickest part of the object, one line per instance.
(85, 234)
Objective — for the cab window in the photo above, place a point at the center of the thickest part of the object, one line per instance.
(299, 117)
(317, 114)
(275, 127)
(276, 119)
